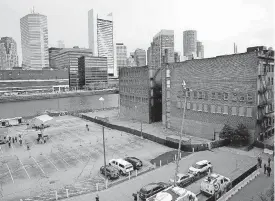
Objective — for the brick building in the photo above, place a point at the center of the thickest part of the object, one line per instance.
(140, 93)
(229, 89)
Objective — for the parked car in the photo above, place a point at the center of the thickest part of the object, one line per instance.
(111, 172)
(152, 189)
(183, 179)
(137, 164)
(200, 168)
(123, 166)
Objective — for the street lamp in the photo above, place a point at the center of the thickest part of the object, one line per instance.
(102, 100)
(140, 122)
(184, 90)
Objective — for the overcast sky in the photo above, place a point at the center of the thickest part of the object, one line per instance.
(219, 23)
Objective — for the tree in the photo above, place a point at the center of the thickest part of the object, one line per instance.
(241, 135)
(227, 132)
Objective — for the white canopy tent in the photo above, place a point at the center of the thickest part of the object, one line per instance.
(43, 119)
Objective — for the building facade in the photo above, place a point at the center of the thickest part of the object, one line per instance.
(230, 89)
(200, 50)
(101, 38)
(121, 56)
(176, 57)
(140, 57)
(92, 71)
(149, 56)
(8, 53)
(34, 41)
(131, 60)
(67, 58)
(190, 44)
(163, 43)
(53, 51)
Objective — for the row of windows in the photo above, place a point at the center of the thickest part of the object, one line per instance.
(133, 73)
(133, 90)
(270, 80)
(217, 109)
(215, 96)
(126, 98)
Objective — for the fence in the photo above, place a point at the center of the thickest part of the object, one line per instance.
(167, 142)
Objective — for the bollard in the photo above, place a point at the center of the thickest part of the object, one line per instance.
(193, 149)
(97, 187)
(160, 163)
(67, 192)
(56, 197)
(180, 155)
(136, 173)
(129, 176)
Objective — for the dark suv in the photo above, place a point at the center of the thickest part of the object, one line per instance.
(111, 172)
(137, 164)
(152, 189)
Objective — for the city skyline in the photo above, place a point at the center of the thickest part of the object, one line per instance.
(250, 29)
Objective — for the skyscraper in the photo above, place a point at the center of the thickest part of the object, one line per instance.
(200, 50)
(162, 45)
(140, 57)
(101, 37)
(149, 56)
(131, 60)
(60, 44)
(121, 56)
(8, 53)
(34, 41)
(190, 44)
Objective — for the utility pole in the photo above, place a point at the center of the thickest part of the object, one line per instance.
(104, 151)
(181, 131)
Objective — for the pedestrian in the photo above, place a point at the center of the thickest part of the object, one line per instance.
(20, 140)
(97, 198)
(260, 162)
(264, 168)
(13, 140)
(9, 138)
(9, 144)
(269, 160)
(268, 171)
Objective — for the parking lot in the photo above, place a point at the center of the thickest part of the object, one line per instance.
(232, 167)
(71, 158)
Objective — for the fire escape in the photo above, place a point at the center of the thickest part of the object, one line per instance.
(264, 104)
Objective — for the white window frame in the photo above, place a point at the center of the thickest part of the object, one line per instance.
(225, 112)
(194, 106)
(188, 105)
(249, 114)
(235, 111)
(241, 109)
(219, 111)
(205, 108)
(200, 107)
(213, 107)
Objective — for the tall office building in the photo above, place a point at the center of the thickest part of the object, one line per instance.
(60, 44)
(163, 44)
(121, 56)
(149, 56)
(131, 60)
(34, 41)
(200, 50)
(8, 53)
(140, 57)
(190, 44)
(101, 37)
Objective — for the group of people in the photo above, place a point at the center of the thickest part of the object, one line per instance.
(14, 139)
(267, 168)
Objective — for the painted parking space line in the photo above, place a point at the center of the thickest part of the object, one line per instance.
(24, 168)
(64, 161)
(52, 163)
(10, 172)
(38, 165)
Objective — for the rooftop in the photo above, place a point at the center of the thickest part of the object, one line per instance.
(164, 32)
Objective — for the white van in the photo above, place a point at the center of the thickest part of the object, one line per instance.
(123, 166)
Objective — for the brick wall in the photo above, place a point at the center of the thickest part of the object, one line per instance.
(134, 88)
(233, 81)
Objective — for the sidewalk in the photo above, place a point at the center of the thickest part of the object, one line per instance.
(154, 129)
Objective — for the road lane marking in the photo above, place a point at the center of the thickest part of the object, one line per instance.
(52, 163)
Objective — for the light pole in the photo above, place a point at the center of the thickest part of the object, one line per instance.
(102, 100)
(140, 122)
(181, 130)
